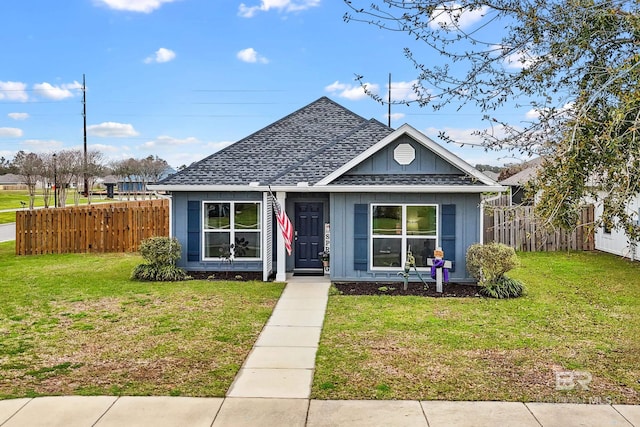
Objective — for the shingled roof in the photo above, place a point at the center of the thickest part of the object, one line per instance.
(305, 146)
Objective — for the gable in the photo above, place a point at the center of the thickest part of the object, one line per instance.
(405, 156)
(408, 157)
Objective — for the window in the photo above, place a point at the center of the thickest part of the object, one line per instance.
(236, 223)
(398, 229)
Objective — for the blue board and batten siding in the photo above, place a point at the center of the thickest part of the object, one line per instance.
(425, 162)
(458, 228)
(187, 218)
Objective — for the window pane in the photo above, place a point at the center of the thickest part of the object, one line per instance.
(247, 216)
(387, 220)
(386, 252)
(247, 245)
(421, 249)
(421, 220)
(216, 244)
(217, 216)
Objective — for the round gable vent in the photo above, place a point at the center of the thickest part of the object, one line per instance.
(404, 154)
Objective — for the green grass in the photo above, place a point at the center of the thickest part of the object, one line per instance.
(76, 324)
(581, 313)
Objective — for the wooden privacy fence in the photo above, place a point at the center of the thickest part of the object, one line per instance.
(113, 227)
(518, 227)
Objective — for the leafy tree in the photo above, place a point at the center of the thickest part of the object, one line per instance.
(30, 167)
(6, 166)
(47, 177)
(95, 169)
(575, 64)
(68, 168)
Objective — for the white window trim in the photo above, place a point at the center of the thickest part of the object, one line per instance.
(232, 228)
(403, 236)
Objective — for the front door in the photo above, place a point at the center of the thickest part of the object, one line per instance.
(309, 234)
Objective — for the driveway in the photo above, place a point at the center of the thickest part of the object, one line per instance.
(7, 232)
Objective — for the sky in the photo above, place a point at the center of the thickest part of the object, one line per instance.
(181, 79)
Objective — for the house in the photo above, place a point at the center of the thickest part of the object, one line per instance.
(518, 181)
(366, 192)
(11, 181)
(614, 240)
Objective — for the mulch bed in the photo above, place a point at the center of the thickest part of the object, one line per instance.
(397, 288)
(226, 275)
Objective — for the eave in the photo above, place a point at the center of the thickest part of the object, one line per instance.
(334, 188)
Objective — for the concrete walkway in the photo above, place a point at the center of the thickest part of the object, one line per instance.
(282, 361)
(7, 232)
(273, 387)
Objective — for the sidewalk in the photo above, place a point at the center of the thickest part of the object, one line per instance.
(274, 384)
(7, 232)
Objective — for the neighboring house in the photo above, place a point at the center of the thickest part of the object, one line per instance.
(374, 191)
(518, 182)
(491, 174)
(613, 240)
(11, 181)
(135, 184)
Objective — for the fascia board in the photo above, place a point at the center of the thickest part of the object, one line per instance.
(338, 188)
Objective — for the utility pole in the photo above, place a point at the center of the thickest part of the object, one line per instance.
(55, 182)
(389, 112)
(84, 116)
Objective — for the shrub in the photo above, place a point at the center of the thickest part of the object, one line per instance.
(488, 263)
(161, 254)
(505, 287)
(160, 250)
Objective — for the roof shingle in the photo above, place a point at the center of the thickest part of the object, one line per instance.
(304, 146)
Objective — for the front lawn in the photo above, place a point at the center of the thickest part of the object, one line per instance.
(581, 315)
(76, 324)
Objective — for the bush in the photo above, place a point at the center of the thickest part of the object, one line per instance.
(505, 287)
(161, 254)
(488, 263)
(161, 250)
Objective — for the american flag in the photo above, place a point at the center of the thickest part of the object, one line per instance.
(285, 225)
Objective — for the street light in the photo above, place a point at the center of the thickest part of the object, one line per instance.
(55, 182)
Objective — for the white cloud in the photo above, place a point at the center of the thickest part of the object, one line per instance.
(18, 116)
(143, 6)
(56, 93)
(112, 130)
(516, 60)
(532, 114)
(161, 55)
(536, 113)
(42, 145)
(460, 136)
(351, 92)
(403, 91)
(280, 5)
(250, 55)
(13, 91)
(10, 133)
(452, 16)
(396, 116)
(168, 141)
(106, 148)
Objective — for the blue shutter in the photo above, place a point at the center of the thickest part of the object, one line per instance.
(448, 228)
(193, 230)
(361, 237)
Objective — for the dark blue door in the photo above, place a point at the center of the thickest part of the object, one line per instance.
(309, 234)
